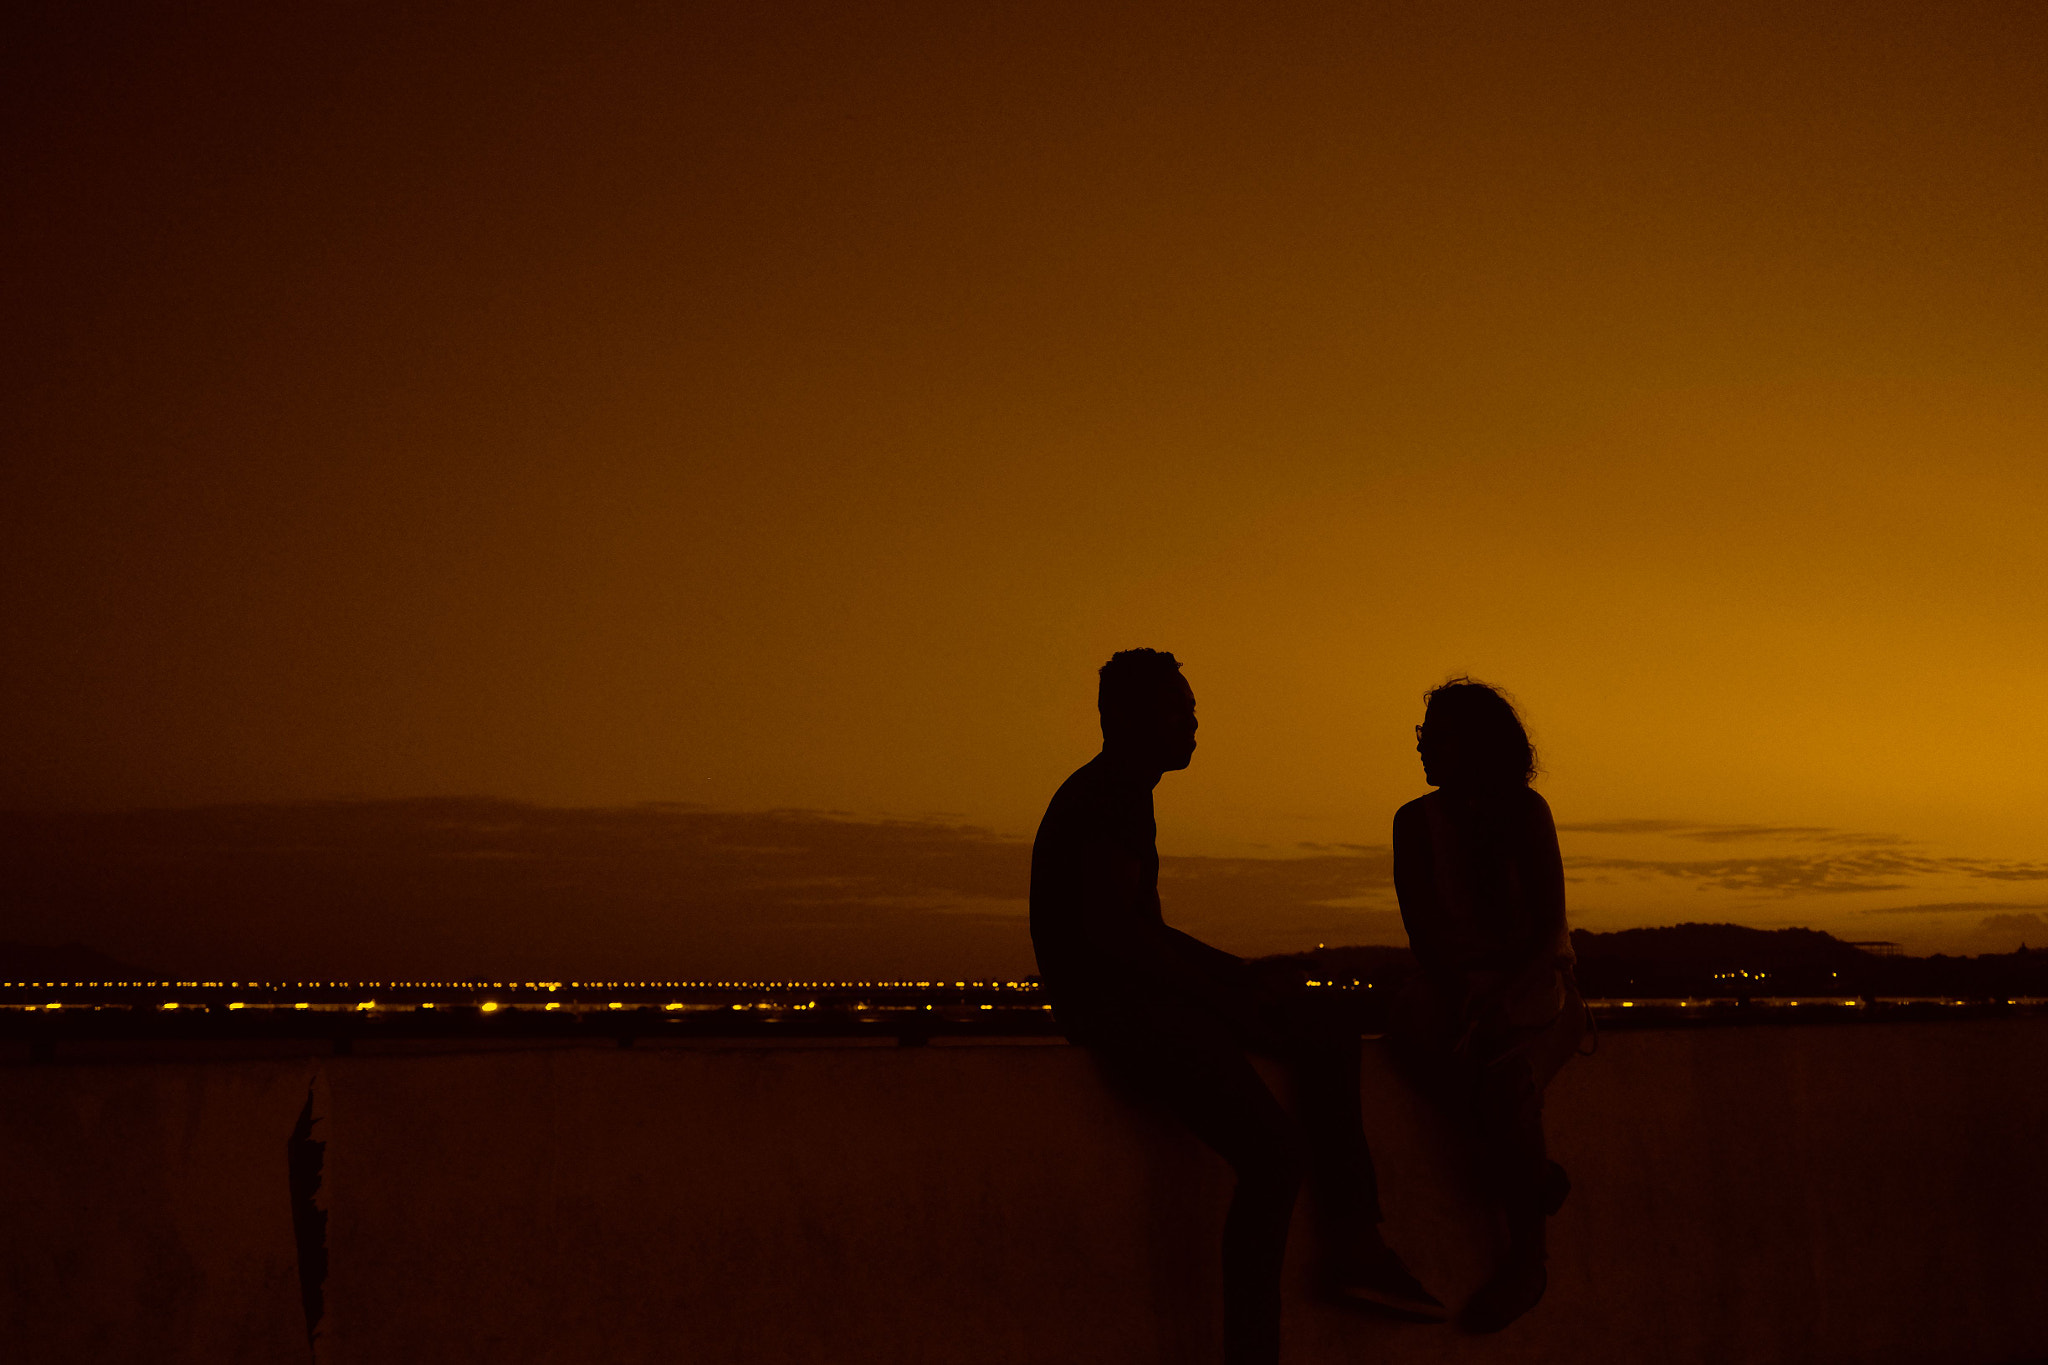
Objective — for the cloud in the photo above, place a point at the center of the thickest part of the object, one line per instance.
(1625, 827)
(2003, 872)
(1955, 907)
(1728, 834)
(382, 890)
(1790, 875)
(1783, 876)
(2016, 924)
(397, 889)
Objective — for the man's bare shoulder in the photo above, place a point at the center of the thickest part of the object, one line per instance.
(1085, 804)
(1084, 787)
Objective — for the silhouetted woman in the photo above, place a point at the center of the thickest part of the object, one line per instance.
(1496, 1012)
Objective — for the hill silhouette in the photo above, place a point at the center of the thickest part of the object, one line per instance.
(1706, 961)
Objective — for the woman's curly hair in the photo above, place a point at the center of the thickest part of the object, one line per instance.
(1481, 725)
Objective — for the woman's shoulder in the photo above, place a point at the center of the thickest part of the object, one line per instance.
(1535, 818)
(1415, 810)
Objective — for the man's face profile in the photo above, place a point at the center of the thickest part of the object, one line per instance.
(1177, 725)
(1158, 729)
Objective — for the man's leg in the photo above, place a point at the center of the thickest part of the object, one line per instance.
(1323, 1058)
(1324, 1055)
(1212, 1088)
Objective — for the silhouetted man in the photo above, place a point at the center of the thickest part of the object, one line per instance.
(1172, 1018)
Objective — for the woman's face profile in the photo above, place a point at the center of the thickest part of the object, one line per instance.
(1440, 752)
(1428, 746)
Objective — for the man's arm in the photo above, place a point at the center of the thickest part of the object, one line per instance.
(1144, 951)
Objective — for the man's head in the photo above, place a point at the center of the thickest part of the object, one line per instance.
(1148, 709)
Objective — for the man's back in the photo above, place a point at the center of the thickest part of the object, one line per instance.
(1094, 884)
(1107, 957)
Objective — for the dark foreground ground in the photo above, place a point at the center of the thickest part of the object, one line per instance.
(1863, 1195)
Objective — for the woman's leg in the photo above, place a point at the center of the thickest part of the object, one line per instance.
(1508, 1109)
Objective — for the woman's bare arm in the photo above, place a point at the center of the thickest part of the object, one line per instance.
(1415, 884)
(1545, 865)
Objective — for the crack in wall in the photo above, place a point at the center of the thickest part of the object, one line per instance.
(305, 1161)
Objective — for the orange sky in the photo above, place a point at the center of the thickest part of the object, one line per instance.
(589, 405)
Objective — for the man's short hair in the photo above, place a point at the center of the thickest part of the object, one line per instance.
(1133, 680)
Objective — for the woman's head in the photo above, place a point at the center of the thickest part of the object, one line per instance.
(1471, 736)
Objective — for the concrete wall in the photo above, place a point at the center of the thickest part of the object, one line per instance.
(1869, 1193)
(143, 1214)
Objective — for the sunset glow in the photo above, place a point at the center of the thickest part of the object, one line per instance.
(764, 411)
